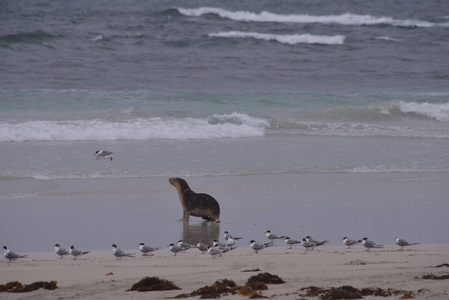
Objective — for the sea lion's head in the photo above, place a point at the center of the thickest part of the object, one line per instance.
(179, 183)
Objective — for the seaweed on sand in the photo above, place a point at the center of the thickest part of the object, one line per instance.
(17, 287)
(254, 285)
(266, 278)
(153, 284)
(349, 292)
(434, 277)
(343, 292)
(214, 291)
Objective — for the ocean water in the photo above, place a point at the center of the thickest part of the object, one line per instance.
(213, 88)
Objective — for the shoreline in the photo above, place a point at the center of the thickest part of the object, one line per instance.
(328, 266)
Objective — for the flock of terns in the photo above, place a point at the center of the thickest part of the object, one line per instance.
(216, 248)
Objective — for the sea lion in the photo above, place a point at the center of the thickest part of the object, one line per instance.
(193, 204)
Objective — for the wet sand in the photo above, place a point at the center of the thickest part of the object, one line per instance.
(94, 214)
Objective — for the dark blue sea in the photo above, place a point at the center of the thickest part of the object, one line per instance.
(222, 88)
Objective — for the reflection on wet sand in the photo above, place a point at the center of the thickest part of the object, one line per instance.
(204, 232)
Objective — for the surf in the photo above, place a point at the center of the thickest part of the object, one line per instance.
(218, 126)
(342, 19)
(290, 39)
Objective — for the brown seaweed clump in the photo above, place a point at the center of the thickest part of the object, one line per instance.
(254, 285)
(349, 292)
(266, 278)
(434, 277)
(382, 292)
(311, 291)
(148, 284)
(214, 291)
(343, 292)
(17, 287)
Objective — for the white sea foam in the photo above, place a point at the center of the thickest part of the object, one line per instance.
(343, 19)
(97, 38)
(234, 125)
(438, 112)
(387, 38)
(290, 39)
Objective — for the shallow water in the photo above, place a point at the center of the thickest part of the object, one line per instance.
(93, 214)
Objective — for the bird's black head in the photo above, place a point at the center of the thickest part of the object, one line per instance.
(114, 245)
(57, 245)
(72, 247)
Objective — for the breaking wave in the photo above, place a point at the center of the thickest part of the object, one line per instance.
(233, 125)
(290, 39)
(343, 19)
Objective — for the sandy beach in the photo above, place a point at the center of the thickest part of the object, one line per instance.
(86, 277)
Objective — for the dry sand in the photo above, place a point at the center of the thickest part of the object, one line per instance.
(329, 266)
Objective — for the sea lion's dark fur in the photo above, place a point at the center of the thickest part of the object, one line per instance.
(197, 205)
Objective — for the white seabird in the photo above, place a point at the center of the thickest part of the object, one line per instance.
(348, 242)
(146, 249)
(291, 242)
(316, 242)
(370, 244)
(259, 246)
(214, 251)
(307, 244)
(202, 247)
(103, 154)
(175, 248)
(272, 236)
(76, 252)
(119, 253)
(230, 242)
(403, 243)
(228, 235)
(185, 246)
(61, 251)
(9, 255)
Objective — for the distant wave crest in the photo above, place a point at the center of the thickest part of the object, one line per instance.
(343, 19)
(290, 39)
(395, 119)
(392, 111)
(233, 125)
